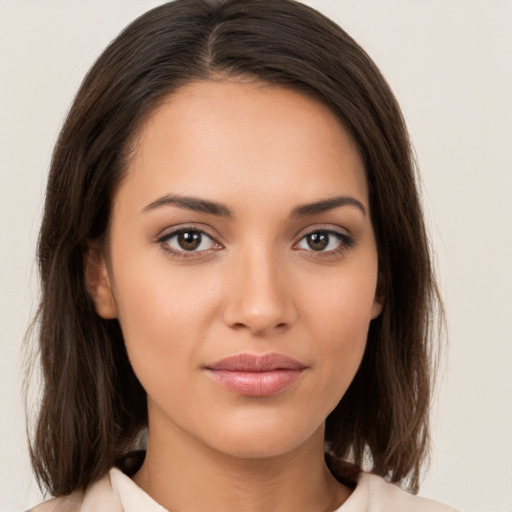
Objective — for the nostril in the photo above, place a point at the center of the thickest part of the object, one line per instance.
(260, 310)
(259, 330)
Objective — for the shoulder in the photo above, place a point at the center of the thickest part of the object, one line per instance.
(99, 496)
(70, 503)
(115, 492)
(374, 494)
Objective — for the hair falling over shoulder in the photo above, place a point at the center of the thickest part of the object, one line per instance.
(93, 406)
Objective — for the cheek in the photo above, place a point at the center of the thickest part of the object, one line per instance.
(164, 312)
(339, 314)
(340, 307)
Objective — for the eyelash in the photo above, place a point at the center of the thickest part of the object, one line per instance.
(345, 242)
(164, 239)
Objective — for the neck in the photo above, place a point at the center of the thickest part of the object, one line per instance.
(184, 474)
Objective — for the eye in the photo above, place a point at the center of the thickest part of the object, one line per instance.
(324, 241)
(187, 241)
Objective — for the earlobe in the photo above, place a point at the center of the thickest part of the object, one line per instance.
(378, 301)
(97, 282)
(376, 308)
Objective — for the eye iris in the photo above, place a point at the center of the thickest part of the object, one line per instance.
(189, 240)
(318, 241)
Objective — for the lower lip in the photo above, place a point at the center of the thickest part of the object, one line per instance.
(256, 383)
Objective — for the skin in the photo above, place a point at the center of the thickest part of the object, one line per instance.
(255, 285)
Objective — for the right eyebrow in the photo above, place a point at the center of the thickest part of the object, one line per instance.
(190, 203)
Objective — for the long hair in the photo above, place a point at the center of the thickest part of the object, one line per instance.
(93, 406)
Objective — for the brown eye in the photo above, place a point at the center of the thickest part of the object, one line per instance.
(325, 241)
(189, 240)
(318, 241)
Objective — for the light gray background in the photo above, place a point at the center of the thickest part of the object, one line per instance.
(450, 65)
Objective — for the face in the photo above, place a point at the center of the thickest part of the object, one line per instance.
(242, 266)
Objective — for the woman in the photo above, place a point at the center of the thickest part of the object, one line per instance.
(233, 255)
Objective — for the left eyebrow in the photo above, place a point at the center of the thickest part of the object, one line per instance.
(326, 205)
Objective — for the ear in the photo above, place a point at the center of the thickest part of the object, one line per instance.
(378, 301)
(377, 306)
(97, 282)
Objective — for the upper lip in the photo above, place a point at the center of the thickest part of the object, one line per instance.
(256, 363)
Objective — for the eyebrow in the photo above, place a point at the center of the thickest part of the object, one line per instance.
(190, 203)
(218, 209)
(326, 205)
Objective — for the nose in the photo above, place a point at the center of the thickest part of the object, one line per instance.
(259, 295)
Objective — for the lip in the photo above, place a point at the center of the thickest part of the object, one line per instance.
(255, 375)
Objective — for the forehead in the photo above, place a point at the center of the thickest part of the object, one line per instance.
(223, 139)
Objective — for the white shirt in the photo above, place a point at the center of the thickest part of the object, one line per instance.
(116, 492)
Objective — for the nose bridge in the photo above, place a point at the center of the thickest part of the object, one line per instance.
(257, 294)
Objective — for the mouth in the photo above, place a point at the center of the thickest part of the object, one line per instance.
(257, 376)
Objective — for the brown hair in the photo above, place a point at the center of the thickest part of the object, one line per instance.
(93, 406)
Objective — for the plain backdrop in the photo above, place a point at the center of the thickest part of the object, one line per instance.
(450, 65)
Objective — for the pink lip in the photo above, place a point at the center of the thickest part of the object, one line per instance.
(253, 375)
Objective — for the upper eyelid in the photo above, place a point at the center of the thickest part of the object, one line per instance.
(344, 238)
(176, 230)
(328, 228)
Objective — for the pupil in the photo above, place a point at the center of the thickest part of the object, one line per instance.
(318, 241)
(189, 240)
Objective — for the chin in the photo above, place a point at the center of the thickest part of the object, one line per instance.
(259, 441)
(257, 449)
